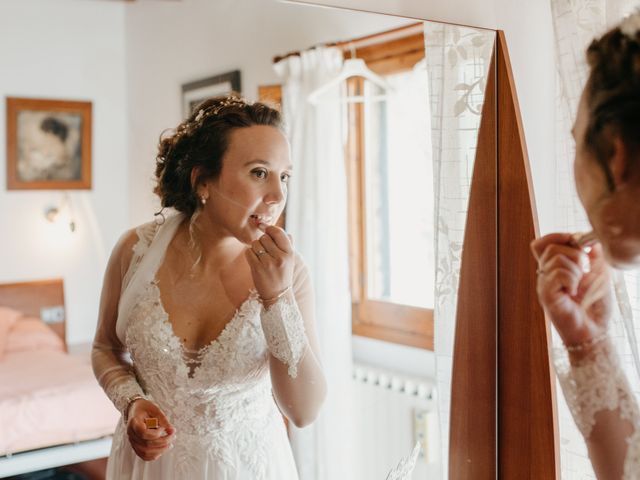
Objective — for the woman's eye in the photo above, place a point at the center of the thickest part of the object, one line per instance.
(260, 174)
(285, 177)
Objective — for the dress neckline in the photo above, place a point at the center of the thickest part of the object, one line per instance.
(193, 358)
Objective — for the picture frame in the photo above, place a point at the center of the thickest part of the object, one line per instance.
(195, 92)
(48, 144)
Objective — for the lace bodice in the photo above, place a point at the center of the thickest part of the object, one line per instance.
(228, 381)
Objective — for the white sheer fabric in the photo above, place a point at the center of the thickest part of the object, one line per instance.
(576, 24)
(317, 219)
(219, 400)
(458, 60)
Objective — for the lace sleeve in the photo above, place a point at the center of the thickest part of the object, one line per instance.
(109, 358)
(604, 409)
(284, 331)
(299, 386)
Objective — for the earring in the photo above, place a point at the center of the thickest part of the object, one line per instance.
(203, 200)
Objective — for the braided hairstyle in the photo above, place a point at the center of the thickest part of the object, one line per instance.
(201, 142)
(613, 93)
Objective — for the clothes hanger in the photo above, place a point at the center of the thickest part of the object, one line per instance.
(352, 67)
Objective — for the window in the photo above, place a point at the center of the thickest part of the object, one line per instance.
(391, 196)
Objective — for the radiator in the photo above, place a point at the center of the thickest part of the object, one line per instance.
(392, 413)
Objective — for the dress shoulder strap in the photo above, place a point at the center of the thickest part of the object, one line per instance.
(145, 233)
(148, 255)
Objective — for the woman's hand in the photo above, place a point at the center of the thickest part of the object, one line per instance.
(148, 443)
(562, 285)
(271, 259)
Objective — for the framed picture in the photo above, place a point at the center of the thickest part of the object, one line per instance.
(195, 92)
(48, 144)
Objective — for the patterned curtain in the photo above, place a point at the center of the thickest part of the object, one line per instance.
(458, 60)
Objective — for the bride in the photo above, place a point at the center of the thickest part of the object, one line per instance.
(206, 335)
(607, 174)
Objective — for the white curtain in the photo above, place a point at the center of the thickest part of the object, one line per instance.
(317, 219)
(576, 24)
(458, 60)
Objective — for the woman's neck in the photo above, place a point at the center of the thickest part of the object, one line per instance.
(215, 246)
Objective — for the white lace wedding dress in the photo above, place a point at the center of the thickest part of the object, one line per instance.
(219, 399)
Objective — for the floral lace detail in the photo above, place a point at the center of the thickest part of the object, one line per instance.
(596, 383)
(122, 391)
(284, 330)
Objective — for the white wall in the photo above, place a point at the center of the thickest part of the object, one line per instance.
(75, 51)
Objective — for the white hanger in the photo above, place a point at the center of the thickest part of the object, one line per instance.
(352, 67)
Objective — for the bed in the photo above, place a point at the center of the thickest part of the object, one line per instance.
(52, 410)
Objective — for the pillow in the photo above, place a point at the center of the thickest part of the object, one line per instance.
(30, 333)
(8, 316)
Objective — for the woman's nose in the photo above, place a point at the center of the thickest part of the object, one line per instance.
(277, 192)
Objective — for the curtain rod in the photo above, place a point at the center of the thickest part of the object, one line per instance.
(360, 42)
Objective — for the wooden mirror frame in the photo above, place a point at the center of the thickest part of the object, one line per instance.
(503, 409)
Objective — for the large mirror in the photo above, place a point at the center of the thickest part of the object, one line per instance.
(382, 114)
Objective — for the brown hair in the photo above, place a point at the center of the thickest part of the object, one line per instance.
(613, 95)
(201, 142)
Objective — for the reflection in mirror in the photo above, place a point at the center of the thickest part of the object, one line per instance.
(382, 117)
(398, 185)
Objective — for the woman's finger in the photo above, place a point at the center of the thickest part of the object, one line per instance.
(558, 281)
(161, 444)
(163, 421)
(280, 238)
(258, 249)
(539, 245)
(561, 261)
(270, 246)
(252, 258)
(574, 254)
(138, 429)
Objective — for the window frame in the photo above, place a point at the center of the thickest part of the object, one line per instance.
(381, 320)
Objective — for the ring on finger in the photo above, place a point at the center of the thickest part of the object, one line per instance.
(259, 253)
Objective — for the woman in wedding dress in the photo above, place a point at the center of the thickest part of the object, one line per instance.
(573, 281)
(206, 335)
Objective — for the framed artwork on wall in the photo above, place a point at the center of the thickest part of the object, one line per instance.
(195, 92)
(48, 144)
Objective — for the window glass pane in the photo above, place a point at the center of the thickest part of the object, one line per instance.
(399, 191)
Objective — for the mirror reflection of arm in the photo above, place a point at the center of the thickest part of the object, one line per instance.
(604, 409)
(299, 385)
(109, 357)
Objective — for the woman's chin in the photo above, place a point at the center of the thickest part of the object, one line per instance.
(623, 255)
(248, 235)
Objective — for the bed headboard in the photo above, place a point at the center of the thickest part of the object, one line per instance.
(43, 299)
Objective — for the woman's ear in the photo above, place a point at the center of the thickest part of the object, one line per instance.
(195, 184)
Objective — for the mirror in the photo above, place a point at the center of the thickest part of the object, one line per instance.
(383, 161)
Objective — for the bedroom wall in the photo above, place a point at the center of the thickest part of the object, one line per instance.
(66, 50)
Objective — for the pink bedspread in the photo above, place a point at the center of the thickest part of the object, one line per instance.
(50, 398)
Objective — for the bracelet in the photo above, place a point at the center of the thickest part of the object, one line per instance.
(129, 403)
(578, 347)
(277, 297)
